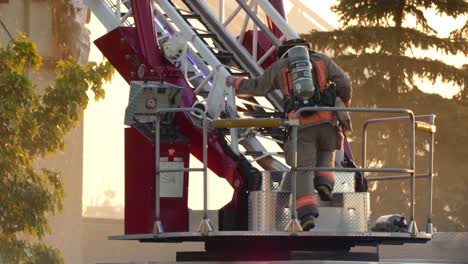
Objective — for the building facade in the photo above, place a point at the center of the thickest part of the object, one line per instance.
(56, 26)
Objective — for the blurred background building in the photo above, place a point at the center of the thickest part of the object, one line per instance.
(56, 26)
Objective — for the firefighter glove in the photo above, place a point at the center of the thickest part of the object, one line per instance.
(234, 81)
(230, 80)
(343, 116)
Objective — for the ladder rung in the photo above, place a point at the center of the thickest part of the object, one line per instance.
(203, 94)
(191, 73)
(243, 74)
(191, 16)
(224, 55)
(207, 35)
(259, 153)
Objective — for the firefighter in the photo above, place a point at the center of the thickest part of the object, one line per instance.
(319, 134)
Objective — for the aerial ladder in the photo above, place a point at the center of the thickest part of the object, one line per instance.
(176, 56)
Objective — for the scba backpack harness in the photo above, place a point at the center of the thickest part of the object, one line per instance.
(300, 81)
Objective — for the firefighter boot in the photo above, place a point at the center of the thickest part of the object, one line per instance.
(324, 193)
(307, 222)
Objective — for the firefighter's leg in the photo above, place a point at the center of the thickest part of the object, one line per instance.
(306, 200)
(329, 140)
(324, 181)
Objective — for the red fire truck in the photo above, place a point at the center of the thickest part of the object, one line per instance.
(176, 55)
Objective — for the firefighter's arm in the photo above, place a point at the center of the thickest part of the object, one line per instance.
(260, 85)
(341, 79)
(343, 92)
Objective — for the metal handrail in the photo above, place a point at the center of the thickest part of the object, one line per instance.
(384, 120)
(412, 228)
(431, 129)
(395, 177)
(205, 225)
(294, 226)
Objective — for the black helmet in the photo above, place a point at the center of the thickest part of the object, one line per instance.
(292, 43)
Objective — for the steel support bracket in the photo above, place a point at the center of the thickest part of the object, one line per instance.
(412, 228)
(158, 227)
(205, 226)
(294, 226)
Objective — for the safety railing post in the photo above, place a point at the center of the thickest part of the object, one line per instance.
(412, 227)
(158, 227)
(294, 225)
(429, 226)
(364, 148)
(205, 225)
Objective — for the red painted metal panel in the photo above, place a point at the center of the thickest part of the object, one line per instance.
(144, 22)
(139, 183)
(140, 200)
(121, 48)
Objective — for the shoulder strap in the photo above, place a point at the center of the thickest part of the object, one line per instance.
(287, 82)
(321, 73)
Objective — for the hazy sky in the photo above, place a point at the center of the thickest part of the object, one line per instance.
(104, 129)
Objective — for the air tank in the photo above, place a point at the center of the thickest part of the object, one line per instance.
(301, 71)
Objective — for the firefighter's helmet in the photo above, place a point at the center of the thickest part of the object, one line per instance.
(292, 43)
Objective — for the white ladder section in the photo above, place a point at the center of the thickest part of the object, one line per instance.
(193, 36)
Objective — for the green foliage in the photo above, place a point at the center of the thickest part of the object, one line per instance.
(33, 125)
(375, 66)
(377, 49)
(361, 40)
(389, 13)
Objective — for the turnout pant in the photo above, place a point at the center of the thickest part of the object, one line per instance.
(316, 147)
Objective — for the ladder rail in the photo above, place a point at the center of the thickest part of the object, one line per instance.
(251, 143)
(104, 13)
(111, 22)
(239, 52)
(275, 97)
(215, 102)
(192, 60)
(202, 62)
